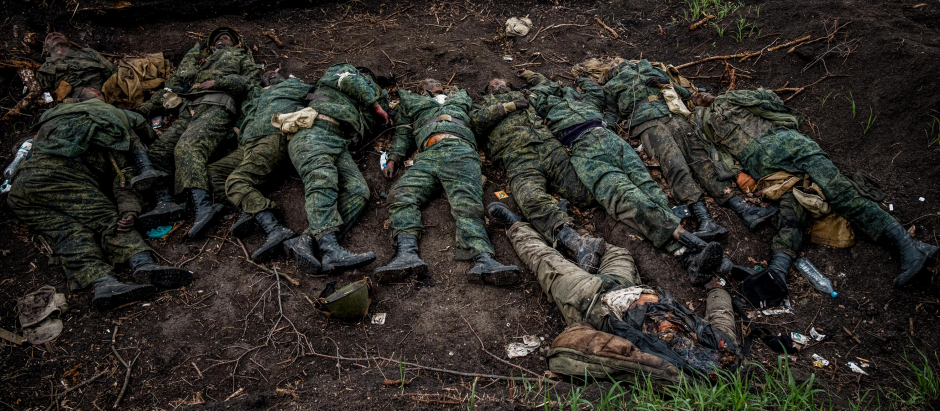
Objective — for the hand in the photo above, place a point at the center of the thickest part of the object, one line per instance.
(521, 104)
(389, 169)
(205, 85)
(126, 223)
(655, 81)
(381, 113)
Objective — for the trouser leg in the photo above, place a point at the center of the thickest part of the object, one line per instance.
(314, 153)
(416, 187)
(562, 176)
(162, 151)
(703, 169)
(529, 190)
(260, 158)
(660, 142)
(210, 126)
(220, 170)
(720, 313)
(458, 169)
(790, 226)
(353, 192)
(569, 287)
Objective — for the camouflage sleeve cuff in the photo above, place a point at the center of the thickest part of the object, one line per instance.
(395, 157)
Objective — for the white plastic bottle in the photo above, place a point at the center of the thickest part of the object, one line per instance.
(816, 278)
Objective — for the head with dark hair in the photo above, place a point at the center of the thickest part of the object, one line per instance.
(431, 86)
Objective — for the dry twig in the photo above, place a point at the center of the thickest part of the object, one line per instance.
(612, 31)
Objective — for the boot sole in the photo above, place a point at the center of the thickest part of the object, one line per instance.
(713, 254)
(305, 265)
(928, 261)
(397, 275)
(117, 300)
(145, 222)
(266, 253)
(145, 182)
(166, 278)
(507, 277)
(244, 229)
(599, 256)
(761, 221)
(334, 269)
(712, 235)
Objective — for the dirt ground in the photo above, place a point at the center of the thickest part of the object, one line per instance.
(229, 342)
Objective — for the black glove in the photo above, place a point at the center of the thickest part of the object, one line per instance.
(655, 81)
(521, 104)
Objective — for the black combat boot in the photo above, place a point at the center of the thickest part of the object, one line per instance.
(486, 270)
(725, 267)
(244, 226)
(914, 254)
(110, 293)
(275, 234)
(779, 265)
(753, 216)
(206, 212)
(405, 262)
(701, 259)
(587, 251)
(708, 229)
(147, 271)
(147, 176)
(502, 215)
(300, 250)
(165, 213)
(335, 257)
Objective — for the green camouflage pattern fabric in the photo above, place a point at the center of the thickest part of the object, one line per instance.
(73, 207)
(348, 96)
(285, 97)
(763, 148)
(335, 191)
(71, 129)
(81, 68)
(564, 107)
(221, 169)
(451, 166)
(184, 149)
(260, 159)
(791, 220)
(616, 175)
(685, 162)
(536, 163)
(415, 109)
(628, 95)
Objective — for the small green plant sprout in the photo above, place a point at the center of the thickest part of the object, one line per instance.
(401, 375)
(851, 100)
(872, 116)
(933, 132)
(824, 99)
(744, 30)
(473, 395)
(718, 29)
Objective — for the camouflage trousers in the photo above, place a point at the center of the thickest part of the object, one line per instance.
(617, 177)
(685, 162)
(184, 149)
(62, 200)
(536, 169)
(454, 166)
(335, 191)
(577, 294)
(790, 151)
(240, 173)
(791, 224)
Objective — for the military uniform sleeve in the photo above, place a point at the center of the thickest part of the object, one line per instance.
(543, 88)
(403, 142)
(141, 127)
(360, 88)
(483, 117)
(611, 112)
(593, 93)
(107, 64)
(240, 84)
(46, 76)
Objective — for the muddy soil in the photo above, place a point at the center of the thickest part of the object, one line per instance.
(229, 342)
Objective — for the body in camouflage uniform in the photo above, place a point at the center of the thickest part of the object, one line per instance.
(437, 124)
(763, 147)
(536, 163)
(76, 68)
(614, 172)
(65, 191)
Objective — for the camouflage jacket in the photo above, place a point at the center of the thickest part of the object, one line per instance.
(419, 110)
(284, 97)
(563, 107)
(629, 98)
(348, 96)
(81, 68)
(507, 131)
(233, 69)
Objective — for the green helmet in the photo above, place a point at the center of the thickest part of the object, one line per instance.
(349, 303)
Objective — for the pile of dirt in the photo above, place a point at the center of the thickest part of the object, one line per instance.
(238, 339)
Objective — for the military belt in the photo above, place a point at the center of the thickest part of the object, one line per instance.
(328, 119)
(444, 117)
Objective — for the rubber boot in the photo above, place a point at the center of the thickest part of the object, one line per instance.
(587, 251)
(405, 262)
(301, 251)
(147, 271)
(244, 226)
(275, 234)
(779, 265)
(147, 176)
(110, 293)
(702, 260)
(206, 212)
(753, 216)
(165, 213)
(334, 257)
(502, 215)
(708, 229)
(486, 270)
(914, 254)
